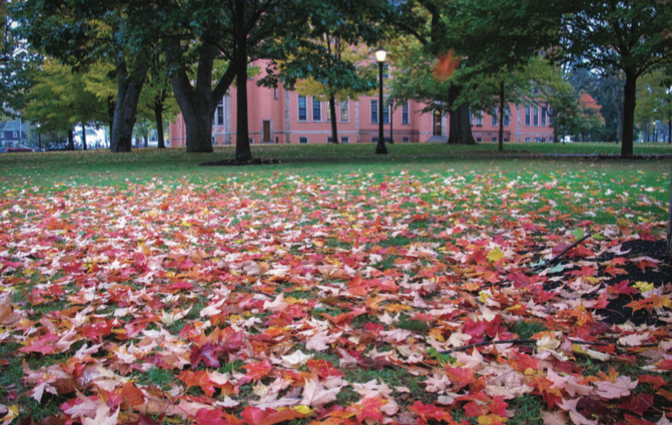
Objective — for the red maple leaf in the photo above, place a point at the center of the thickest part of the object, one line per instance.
(368, 408)
(257, 416)
(256, 371)
(207, 353)
(429, 412)
(622, 288)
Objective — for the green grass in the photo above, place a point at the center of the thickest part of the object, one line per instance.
(174, 164)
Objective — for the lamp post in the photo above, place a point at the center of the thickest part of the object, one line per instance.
(391, 119)
(381, 54)
(39, 136)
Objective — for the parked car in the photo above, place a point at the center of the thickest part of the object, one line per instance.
(20, 149)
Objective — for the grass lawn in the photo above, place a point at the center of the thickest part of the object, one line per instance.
(337, 287)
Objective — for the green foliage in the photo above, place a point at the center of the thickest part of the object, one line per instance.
(61, 99)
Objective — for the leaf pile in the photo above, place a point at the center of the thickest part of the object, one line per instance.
(336, 301)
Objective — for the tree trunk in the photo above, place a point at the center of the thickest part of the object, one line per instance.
(669, 128)
(71, 139)
(501, 116)
(617, 90)
(243, 151)
(84, 138)
(158, 116)
(629, 103)
(128, 93)
(332, 109)
(668, 249)
(460, 122)
(146, 137)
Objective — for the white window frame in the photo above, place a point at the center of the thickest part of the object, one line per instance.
(303, 138)
(345, 139)
(344, 106)
(298, 107)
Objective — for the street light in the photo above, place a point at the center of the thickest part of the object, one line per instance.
(381, 54)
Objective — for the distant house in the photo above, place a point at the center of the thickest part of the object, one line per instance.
(9, 134)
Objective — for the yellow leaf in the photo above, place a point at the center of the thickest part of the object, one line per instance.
(305, 410)
(644, 286)
(13, 412)
(491, 419)
(495, 255)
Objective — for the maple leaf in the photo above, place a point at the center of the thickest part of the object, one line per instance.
(256, 371)
(256, 416)
(315, 395)
(622, 288)
(295, 360)
(620, 388)
(207, 353)
(430, 412)
(367, 408)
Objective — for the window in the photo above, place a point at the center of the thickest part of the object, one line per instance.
(251, 140)
(550, 139)
(386, 114)
(506, 139)
(374, 140)
(527, 116)
(536, 116)
(275, 93)
(543, 139)
(535, 90)
(220, 115)
(317, 110)
(303, 113)
(345, 140)
(303, 140)
(479, 139)
(479, 118)
(345, 113)
(330, 140)
(386, 70)
(494, 139)
(551, 121)
(15, 134)
(543, 117)
(374, 111)
(527, 139)
(406, 140)
(327, 112)
(405, 114)
(507, 119)
(494, 118)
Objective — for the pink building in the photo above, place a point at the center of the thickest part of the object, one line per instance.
(284, 116)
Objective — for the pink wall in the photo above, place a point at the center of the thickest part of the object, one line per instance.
(281, 109)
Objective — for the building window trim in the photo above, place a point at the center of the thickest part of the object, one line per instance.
(344, 109)
(405, 114)
(374, 111)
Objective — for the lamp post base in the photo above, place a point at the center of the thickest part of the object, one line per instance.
(381, 151)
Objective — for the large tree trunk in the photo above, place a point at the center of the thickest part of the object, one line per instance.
(71, 139)
(198, 103)
(84, 137)
(334, 129)
(668, 249)
(617, 90)
(501, 116)
(243, 151)
(128, 93)
(629, 103)
(460, 122)
(158, 116)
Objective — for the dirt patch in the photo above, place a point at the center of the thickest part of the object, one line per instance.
(617, 311)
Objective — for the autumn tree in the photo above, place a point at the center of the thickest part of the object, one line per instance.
(425, 21)
(59, 100)
(631, 36)
(81, 33)
(332, 62)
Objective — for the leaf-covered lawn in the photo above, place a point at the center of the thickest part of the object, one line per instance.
(336, 299)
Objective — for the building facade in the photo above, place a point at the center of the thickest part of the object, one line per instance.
(282, 116)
